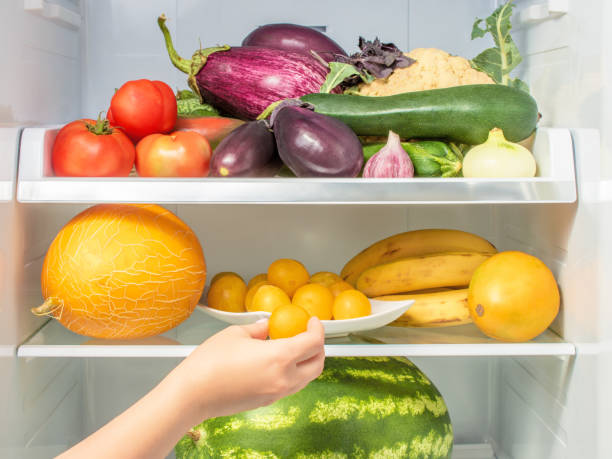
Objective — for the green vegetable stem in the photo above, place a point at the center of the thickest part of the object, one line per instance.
(499, 61)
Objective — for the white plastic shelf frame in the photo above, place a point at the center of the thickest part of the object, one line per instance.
(554, 183)
(53, 340)
(9, 144)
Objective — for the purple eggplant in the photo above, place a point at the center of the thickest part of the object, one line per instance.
(244, 152)
(315, 145)
(296, 38)
(243, 81)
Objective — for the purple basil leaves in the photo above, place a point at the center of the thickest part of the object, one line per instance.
(376, 59)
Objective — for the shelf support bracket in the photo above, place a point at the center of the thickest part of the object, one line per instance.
(552, 9)
(54, 12)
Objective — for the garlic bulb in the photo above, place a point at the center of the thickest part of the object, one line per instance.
(391, 161)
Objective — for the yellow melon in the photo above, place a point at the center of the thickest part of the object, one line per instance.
(120, 271)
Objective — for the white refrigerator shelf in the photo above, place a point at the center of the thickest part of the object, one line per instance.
(9, 144)
(553, 151)
(53, 340)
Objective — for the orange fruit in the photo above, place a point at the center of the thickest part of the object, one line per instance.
(340, 286)
(287, 274)
(351, 304)
(287, 321)
(316, 299)
(221, 274)
(257, 278)
(325, 278)
(268, 298)
(227, 293)
(248, 298)
(513, 296)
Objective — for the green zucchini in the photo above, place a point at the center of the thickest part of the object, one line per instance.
(430, 158)
(463, 114)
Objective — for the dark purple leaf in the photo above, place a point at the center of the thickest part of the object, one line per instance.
(376, 59)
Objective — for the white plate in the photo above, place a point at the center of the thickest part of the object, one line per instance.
(383, 312)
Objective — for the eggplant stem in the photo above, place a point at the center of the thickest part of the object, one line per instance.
(184, 65)
(268, 110)
(190, 67)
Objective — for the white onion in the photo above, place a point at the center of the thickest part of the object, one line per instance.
(498, 157)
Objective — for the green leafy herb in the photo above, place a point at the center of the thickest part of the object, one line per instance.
(374, 60)
(498, 62)
(188, 105)
(338, 72)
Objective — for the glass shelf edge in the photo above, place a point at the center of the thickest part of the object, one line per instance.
(331, 350)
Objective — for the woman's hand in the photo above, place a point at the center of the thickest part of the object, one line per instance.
(237, 369)
(232, 371)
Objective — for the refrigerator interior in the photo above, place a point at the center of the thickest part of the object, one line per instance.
(532, 400)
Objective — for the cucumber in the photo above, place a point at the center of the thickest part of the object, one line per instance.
(432, 158)
(462, 114)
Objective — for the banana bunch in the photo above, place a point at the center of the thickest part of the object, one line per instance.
(437, 308)
(431, 266)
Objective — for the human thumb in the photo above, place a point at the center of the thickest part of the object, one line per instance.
(315, 326)
(258, 330)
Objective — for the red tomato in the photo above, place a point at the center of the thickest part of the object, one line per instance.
(180, 154)
(110, 117)
(90, 148)
(143, 107)
(214, 128)
(113, 123)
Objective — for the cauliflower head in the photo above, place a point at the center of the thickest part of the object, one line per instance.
(434, 68)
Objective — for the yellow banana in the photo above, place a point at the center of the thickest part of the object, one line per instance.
(435, 309)
(449, 269)
(411, 244)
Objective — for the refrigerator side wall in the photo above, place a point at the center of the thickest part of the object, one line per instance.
(548, 407)
(43, 80)
(551, 407)
(568, 64)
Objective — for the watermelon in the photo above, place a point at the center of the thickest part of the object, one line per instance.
(378, 407)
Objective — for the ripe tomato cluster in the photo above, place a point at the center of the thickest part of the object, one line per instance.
(136, 132)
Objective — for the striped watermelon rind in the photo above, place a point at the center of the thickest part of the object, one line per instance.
(360, 407)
